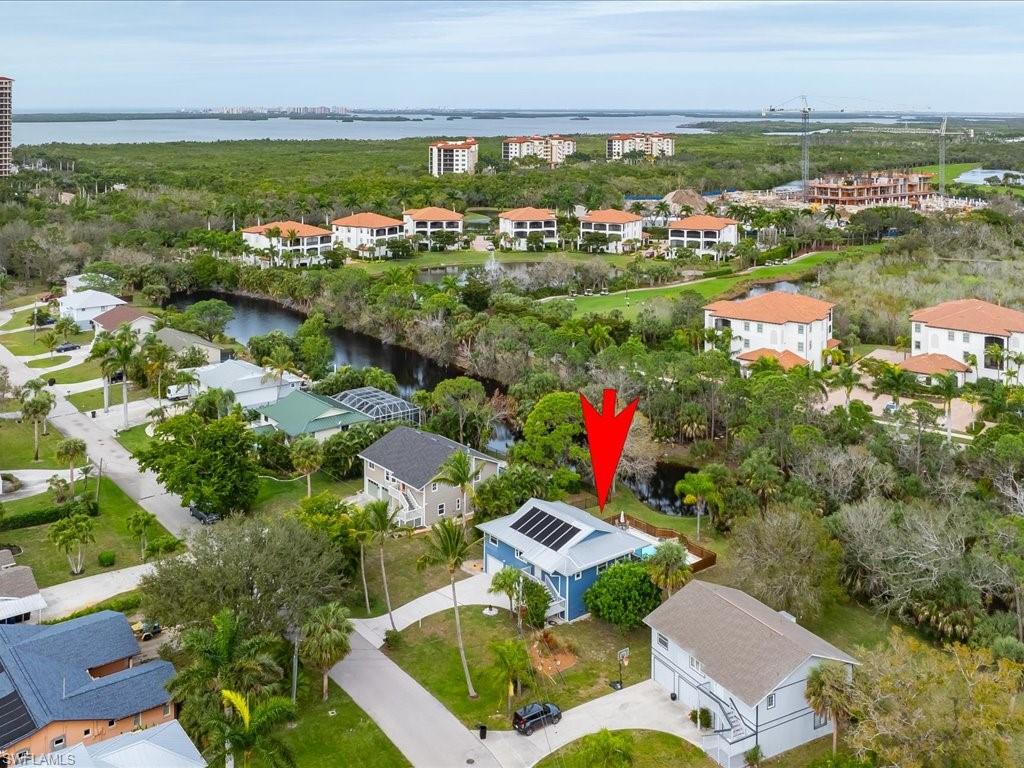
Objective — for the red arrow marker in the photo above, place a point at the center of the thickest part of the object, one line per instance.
(606, 436)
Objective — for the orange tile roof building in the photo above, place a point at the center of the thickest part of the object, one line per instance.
(515, 227)
(6, 100)
(650, 144)
(367, 233)
(794, 329)
(453, 157)
(552, 149)
(876, 188)
(964, 330)
(623, 229)
(427, 222)
(703, 234)
(286, 244)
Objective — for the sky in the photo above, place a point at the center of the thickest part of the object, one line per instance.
(957, 57)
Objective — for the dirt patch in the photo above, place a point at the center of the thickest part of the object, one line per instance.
(550, 662)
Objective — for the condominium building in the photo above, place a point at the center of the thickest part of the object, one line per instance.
(367, 233)
(876, 188)
(516, 226)
(453, 157)
(966, 332)
(429, 221)
(651, 144)
(6, 162)
(790, 328)
(703, 233)
(552, 149)
(286, 243)
(624, 230)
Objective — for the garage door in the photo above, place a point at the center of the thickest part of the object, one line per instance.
(374, 490)
(493, 564)
(664, 676)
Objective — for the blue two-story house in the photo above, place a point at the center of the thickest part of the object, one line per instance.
(562, 547)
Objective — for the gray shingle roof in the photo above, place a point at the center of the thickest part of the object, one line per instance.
(413, 456)
(182, 340)
(743, 645)
(47, 668)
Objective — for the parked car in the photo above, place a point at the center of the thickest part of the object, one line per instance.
(205, 518)
(532, 716)
(67, 346)
(117, 377)
(146, 630)
(891, 409)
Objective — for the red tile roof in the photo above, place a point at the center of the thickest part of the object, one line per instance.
(774, 307)
(627, 136)
(702, 222)
(611, 216)
(785, 358)
(433, 213)
(467, 144)
(119, 315)
(932, 363)
(367, 220)
(527, 214)
(301, 230)
(972, 315)
(832, 344)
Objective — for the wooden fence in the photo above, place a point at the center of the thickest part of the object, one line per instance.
(706, 557)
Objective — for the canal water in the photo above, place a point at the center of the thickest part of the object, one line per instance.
(413, 371)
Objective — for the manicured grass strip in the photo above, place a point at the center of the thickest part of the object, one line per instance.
(19, 320)
(48, 362)
(16, 446)
(435, 259)
(429, 653)
(110, 529)
(346, 735)
(135, 438)
(92, 399)
(21, 344)
(76, 374)
(650, 749)
(282, 495)
(20, 301)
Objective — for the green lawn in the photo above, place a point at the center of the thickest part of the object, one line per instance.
(347, 735)
(48, 362)
(76, 374)
(631, 302)
(92, 399)
(111, 532)
(16, 446)
(952, 171)
(22, 344)
(477, 259)
(429, 653)
(20, 301)
(135, 438)
(281, 495)
(19, 320)
(651, 749)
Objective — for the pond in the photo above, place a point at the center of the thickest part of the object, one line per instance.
(780, 285)
(979, 175)
(413, 371)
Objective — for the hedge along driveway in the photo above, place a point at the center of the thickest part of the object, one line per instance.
(110, 529)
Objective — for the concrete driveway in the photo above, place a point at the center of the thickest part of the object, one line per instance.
(71, 596)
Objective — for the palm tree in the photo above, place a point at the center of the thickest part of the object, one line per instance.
(307, 457)
(607, 749)
(116, 353)
(459, 471)
(994, 354)
(448, 546)
(359, 529)
(71, 451)
(846, 377)
(251, 730)
(69, 534)
(65, 327)
(384, 526)
(273, 234)
(139, 522)
(511, 664)
(279, 362)
(50, 341)
(509, 581)
(668, 567)
(946, 386)
(699, 489)
(325, 639)
(662, 211)
(762, 476)
(600, 337)
(895, 382)
(827, 693)
(36, 409)
(159, 360)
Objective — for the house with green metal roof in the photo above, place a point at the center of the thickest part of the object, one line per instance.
(305, 413)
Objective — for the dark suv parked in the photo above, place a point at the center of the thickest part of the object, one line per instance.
(206, 518)
(532, 716)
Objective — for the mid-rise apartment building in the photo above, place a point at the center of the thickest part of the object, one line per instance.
(453, 157)
(429, 221)
(552, 149)
(516, 226)
(875, 188)
(6, 159)
(623, 229)
(703, 233)
(966, 332)
(651, 144)
(367, 233)
(286, 243)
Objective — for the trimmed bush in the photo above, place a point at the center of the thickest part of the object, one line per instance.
(49, 514)
(536, 599)
(392, 639)
(162, 545)
(623, 595)
(106, 559)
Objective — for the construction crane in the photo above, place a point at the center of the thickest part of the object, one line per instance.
(804, 109)
(941, 131)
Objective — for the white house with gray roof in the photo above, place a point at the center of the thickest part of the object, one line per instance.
(162, 746)
(252, 385)
(401, 467)
(718, 648)
(19, 594)
(560, 546)
(83, 306)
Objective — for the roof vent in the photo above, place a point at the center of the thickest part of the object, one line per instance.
(788, 616)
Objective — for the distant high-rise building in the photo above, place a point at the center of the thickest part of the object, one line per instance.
(552, 149)
(6, 162)
(650, 144)
(453, 157)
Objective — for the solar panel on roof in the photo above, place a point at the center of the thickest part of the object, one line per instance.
(544, 528)
(15, 721)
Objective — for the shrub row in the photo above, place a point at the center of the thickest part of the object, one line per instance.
(46, 515)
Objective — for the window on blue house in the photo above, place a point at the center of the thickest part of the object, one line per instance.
(493, 540)
(519, 554)
(577, 576)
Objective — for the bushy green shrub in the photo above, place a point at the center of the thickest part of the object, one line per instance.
(161, 545)
(536, 599)
(623, 595)
(106, 558)
(52, 514)
(392, 639)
